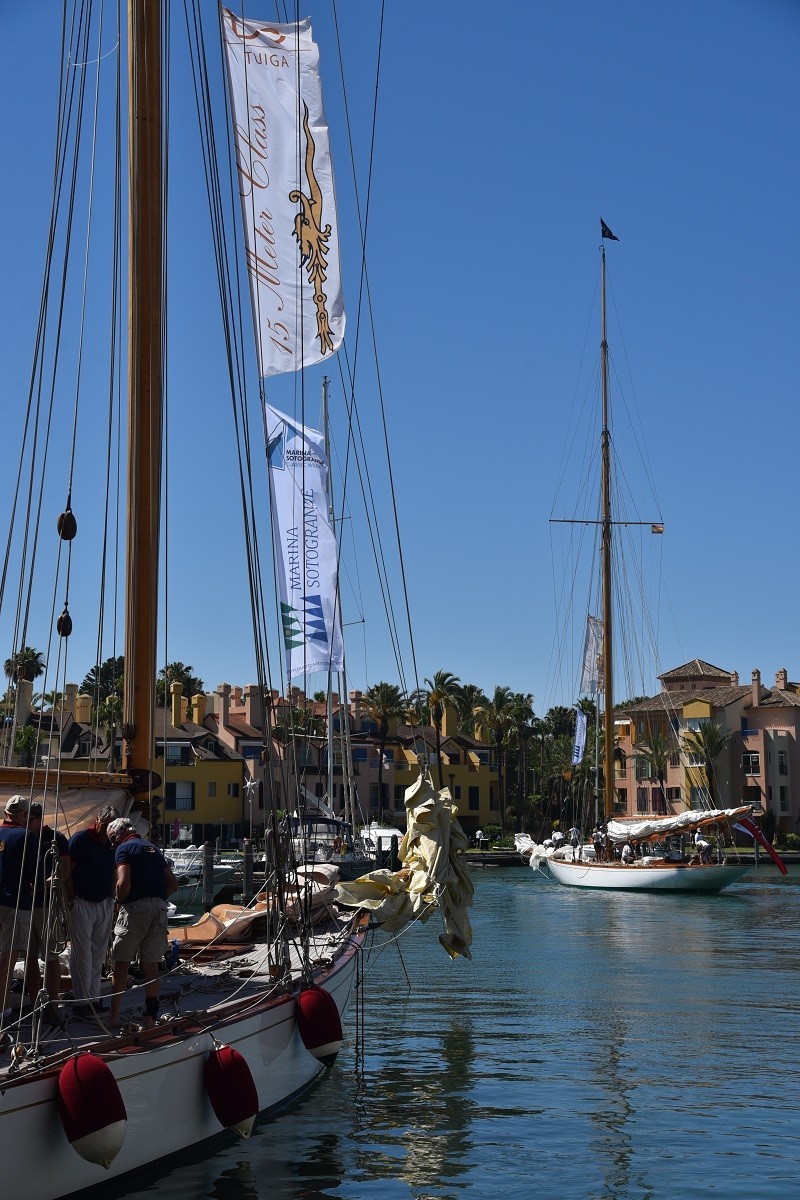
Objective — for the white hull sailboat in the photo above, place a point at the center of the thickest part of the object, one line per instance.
(237, 1037)
(161, 1078)
(642, 876)
(635, 856)
(252, 999)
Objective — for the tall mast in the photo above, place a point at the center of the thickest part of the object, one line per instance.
(329, 715)
(608, 714)
(145, 375)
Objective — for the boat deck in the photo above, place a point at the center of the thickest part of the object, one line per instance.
(198, 990)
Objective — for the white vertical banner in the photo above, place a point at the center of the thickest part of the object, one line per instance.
(305, 545)
(579, 745)
(285, 175)
(592, 650)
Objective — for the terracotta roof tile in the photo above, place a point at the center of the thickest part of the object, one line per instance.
(694, 668)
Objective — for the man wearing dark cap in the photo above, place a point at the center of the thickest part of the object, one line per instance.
(91, 892)
(144, 880)
(17, 877)
(52, 863)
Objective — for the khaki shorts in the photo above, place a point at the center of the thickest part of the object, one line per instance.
(38, 938)
(141, 929)
(9, 930)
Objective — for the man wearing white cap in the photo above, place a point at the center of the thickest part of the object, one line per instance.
(17, 878)
(144, 880)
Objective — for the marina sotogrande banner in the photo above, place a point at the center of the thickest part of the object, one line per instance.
(307, 566)
(579, 744)
(286, 185)
(592, 652)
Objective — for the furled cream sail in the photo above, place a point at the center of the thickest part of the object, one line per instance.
(434, 875)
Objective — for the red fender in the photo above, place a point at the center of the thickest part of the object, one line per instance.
(319, 1024)
(231, 1089)
(92, 1109)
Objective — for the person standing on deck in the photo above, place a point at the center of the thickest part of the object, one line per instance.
(52, 862)
(91, 892)
(17, 878)
(143, 882)
(576, 838)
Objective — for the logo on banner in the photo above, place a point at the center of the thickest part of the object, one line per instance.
(302, 628)
(313, 240)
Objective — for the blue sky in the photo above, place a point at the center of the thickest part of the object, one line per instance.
(503, 134)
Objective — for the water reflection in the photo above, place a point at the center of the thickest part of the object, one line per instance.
(612, 1148)
(597, 1047)
(415, 1109)
(235, 1183)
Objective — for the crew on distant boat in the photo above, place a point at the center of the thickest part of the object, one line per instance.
(557, 838)
(144, 881)
(576, 838)
(91, 892)
(627, 855)
(52, 863)
(702, 848)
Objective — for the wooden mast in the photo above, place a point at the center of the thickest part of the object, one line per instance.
(608, 714)
(145, 376)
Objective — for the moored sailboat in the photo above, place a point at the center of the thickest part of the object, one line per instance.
(247, 1035)
(628, 855)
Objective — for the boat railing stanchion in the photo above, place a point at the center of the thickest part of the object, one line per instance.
(247, 880)
(208, 875)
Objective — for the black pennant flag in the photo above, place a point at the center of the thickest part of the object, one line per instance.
(605, 232)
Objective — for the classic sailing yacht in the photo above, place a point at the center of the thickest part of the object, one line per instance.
(647, 864)
(250, 1036)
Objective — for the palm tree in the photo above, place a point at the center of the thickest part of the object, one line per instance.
(707, 743)
(177, 672)
(656, 750)
(497, 724)
(469, 703)
(439, 691)
(27, 664)
(26, 742)
(522, 716)
(384, 703)
(105, 679)
(560, 721)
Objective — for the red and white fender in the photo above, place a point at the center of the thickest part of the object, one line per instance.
(92, 1109)
(319, 1024)
(231, 1089)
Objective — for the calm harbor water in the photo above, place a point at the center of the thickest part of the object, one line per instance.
(598, 1046)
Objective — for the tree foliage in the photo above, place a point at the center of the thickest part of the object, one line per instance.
(105, 679)
(439, 691)
(27, 664)
(177, 672)
(383, 703)
(707, 743)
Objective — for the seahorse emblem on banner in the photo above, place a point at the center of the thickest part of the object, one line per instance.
(313, 239)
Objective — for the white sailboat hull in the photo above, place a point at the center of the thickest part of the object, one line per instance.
(164, 1094)
(666, 877)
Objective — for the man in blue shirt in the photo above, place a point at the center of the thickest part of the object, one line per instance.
(91, 892)
(143, 883)
(17, 877)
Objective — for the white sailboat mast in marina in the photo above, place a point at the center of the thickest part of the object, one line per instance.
(654, 867)
(606, 535)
